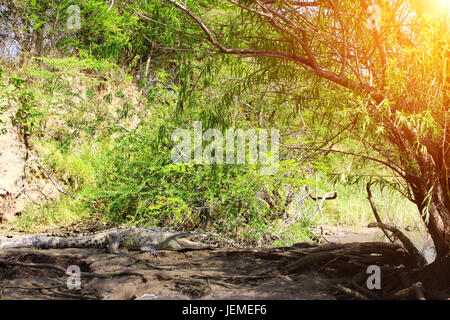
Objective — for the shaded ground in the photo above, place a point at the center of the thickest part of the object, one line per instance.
(223, 273)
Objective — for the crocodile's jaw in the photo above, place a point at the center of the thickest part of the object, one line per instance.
(188, 244)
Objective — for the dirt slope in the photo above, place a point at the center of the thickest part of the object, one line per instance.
(21, 182)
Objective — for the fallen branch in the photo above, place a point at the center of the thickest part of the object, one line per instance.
(351, 292)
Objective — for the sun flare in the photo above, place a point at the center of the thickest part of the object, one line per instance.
(445, 4)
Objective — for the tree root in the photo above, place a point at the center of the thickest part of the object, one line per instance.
(409, 246)
(362, 253)
(411, 292)
(395, 232)
(400, 269)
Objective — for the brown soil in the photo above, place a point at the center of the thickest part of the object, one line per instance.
(223, 273)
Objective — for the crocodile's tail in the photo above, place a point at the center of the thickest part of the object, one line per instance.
(49, 242)
(38, 241)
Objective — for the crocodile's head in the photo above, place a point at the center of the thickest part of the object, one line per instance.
(185, 241)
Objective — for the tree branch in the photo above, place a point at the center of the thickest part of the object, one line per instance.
(303, 62)
(397, 170)
(375, 211)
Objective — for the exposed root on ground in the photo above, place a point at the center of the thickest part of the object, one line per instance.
(402, 271)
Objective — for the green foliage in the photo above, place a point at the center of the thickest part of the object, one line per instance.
(28, 116)
(104, 108)
(141, 185)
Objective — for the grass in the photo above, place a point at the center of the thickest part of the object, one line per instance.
(351, 208)
(62, 212)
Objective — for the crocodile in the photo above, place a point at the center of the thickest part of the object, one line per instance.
(130, 238)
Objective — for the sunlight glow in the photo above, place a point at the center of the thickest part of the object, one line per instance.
(445, 4)
(436, 6)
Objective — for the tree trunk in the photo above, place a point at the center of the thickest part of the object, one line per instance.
(437, 220)
(438, 226)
